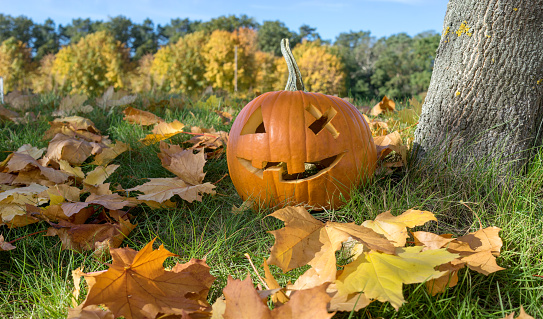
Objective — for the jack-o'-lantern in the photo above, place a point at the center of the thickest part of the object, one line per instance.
(298, 147)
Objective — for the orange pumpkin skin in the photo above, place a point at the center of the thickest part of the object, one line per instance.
(293, 135)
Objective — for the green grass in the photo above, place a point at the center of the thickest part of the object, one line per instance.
(35, 278)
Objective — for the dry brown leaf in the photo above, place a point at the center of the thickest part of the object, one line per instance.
(85, 236)
(135, 278)
(110, 98)
(447, 280)
(278, 297)
(242, 301)
(394, 227)
(479, 249)
(522, 315)
(431, 240)
(110, 153)
(6, 178)
(71, 104)
(20, 162)
(90, 312)
(137, 116)
(226, 117)
(19, 101)
(162, 189)
(4, 245)
(162, 131)
(384, 106)
(74, 151)
(70, 170)
(8, 114)
(186, 165)
(13, 203)
(388, 143)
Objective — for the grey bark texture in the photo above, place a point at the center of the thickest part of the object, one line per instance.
(485, 100)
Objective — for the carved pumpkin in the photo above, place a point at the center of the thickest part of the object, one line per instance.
(297, 147)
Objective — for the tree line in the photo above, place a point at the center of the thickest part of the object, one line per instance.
(398, 65)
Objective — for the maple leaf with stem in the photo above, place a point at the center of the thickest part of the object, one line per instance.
(381, 276)
(306, 240)
(137, 286)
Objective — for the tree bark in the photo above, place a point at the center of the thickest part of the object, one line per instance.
(485, 100)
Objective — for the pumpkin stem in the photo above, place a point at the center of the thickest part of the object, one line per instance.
(294, 82)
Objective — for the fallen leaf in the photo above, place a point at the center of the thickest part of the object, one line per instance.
(8, 114)
(381, 276)
(388, 143)
(243, 301)
(384, 106)
(162, 131)
(431, 240)
(136, 278)
(18, 100)
(81, 237)
(278, 297)
(186, 165)
(110, 153)
(90, 312)
(351, 302)
(4, 245)
(394, 227)
(99, 174)
(305, 240)
(522, 315)
(137, 116)
(74, 151)
(71, 104)
(226, 117)
(479, 249)
(110, 99)
(162, 189)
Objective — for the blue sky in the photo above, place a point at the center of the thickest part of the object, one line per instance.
(330, 17)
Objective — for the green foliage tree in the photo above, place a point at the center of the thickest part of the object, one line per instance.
(19, 28)
(180, 67)
(143, 39)
(120, 27)
(228, 23)
(177, 28)
(44, 39)
(91, 65)
(15, 64)
(270, 34)
(355, 51)
(78, 29)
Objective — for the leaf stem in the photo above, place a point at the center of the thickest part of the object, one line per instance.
(17, 239)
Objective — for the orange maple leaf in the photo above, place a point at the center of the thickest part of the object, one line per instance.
(136, 285)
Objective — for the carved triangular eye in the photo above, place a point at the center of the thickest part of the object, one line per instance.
(255, 123)
(322, 120)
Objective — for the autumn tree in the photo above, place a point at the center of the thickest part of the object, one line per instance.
(15, 64)
(219, 54)
(91, 65)
(485, 100)
(180, 67)
(177, 28)
(321, 67)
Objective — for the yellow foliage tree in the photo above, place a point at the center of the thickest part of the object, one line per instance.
(219, 58)
(15, 64)
(91, 65)
(268, 77)
(321, 68)
(180, 67)
(44, 81)
(141, 79)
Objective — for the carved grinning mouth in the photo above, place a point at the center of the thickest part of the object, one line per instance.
(312, 170)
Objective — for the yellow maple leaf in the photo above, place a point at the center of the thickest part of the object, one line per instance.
(162, 131)
(99, 174)
(381, 276)
(394, 227)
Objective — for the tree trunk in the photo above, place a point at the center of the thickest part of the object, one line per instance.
(485, 100)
